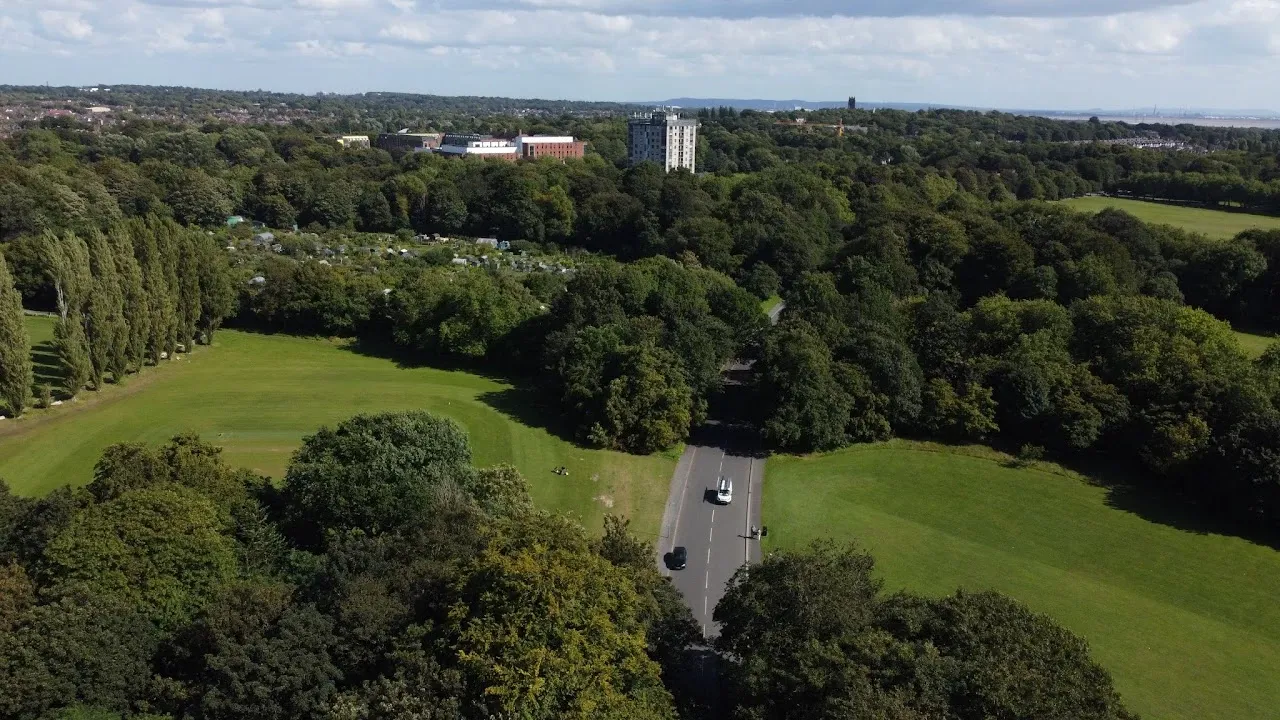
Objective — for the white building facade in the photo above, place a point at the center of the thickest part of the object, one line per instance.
(663, 138)
(487, 148)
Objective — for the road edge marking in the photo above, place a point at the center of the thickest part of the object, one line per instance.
(671, 525)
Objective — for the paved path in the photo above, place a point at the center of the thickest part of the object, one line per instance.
(716, 536)
(775, 311)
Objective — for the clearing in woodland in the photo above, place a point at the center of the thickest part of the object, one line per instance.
(1214, 223)
(1187, 622)
(258, 395)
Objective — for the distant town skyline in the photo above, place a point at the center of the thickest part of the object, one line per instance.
(1049, 54)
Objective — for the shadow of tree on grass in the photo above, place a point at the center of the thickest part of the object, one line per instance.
(45, 359)
(529, 407)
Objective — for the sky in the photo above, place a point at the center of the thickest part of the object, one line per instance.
(1019, 54)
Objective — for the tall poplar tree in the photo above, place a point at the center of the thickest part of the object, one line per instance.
(137, 308)
(72, 348)
(104, 313)
(167, 241)
(67, 263)
(188, 270)
(15, 346)
(217, 294)
(156, 284)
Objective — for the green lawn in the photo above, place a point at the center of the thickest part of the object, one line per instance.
(1214, 223)
(1188, 624)
(258, 395)
(768, 303)
(1253, 345)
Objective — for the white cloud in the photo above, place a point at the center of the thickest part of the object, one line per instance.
(1010, 53)
(65, 24)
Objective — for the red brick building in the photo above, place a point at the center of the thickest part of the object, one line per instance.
(531, 147)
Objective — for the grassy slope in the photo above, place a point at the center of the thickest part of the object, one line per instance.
(257, 396)
(1214, 223)
(1188, 624)
(1253, 345)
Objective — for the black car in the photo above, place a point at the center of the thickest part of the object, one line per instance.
(679, 558)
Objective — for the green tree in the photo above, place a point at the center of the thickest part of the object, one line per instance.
(276, 211)
(216, 291)
(646, 406)
(160, 549)
(67, 262)
(160, 302)
(15, 347)
(557, 213)
(444, 210)
(169, 240)
(136, 301)
(796, 627)
(1000, 659)
(501, 490)
(846, 651)
(545, 632)
(189, 300)
(334, 205)
(254, 653)
(374, 212)
(72, 348)
(802, 405)
(373, 473)
(105, 327)
(967, 415)
(80, 648)
(198, 199)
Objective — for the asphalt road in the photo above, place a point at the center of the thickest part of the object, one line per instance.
(716, 536)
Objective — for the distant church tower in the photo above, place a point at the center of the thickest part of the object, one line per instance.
(853, 103)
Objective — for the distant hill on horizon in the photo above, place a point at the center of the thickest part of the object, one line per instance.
(784, 105)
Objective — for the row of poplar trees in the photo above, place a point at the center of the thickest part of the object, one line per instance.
(137, 294)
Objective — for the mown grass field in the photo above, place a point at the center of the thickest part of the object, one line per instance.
(1188, 624)
(258, 395)
(1214, 223)
(1253, 344)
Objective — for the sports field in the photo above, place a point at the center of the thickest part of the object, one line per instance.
(1187, 623)
(1214, 223)
(258, 395)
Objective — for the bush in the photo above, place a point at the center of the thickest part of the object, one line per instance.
(1028, 454)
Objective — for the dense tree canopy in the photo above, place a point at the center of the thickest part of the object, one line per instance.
(177, 585)
(810, 635)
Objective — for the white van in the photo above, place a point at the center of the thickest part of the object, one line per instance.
(724, 490)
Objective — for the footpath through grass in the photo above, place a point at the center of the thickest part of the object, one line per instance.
(258, 395)
(1188, 624)
(1214, 223)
